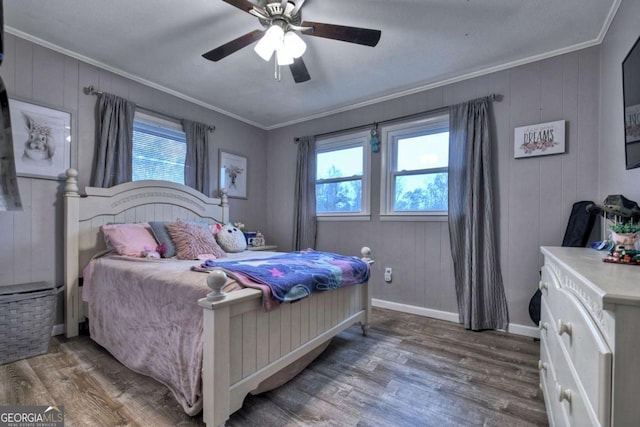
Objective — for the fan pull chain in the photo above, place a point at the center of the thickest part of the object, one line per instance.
(276, 72)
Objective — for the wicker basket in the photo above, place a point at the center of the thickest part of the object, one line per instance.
(27, 312)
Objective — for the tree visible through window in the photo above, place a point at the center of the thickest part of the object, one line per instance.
(341, 177)
(417, 172)
(430, 194)
(344, 196)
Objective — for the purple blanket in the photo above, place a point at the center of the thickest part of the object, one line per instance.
(295, 275)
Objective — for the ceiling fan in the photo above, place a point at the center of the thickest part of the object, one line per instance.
(281, 20)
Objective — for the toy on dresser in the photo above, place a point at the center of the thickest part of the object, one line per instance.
(623, 256)
(622, 218)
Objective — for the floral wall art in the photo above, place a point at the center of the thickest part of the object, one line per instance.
(539, 139)
(233, 174)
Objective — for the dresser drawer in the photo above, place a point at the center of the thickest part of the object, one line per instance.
(557, 417)
(594, 296)
(566, 391)
(572, 335)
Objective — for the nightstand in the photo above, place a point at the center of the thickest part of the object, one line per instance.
(263, 248)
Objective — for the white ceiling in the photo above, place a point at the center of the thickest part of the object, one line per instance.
(424, 43)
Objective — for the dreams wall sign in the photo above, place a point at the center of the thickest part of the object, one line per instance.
(540, 139)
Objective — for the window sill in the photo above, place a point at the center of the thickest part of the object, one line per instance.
(415, 218)
(329, 218)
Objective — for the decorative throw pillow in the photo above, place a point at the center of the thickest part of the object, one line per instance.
(129, 239)
(159, 229)
(231, 239)
(193, 240)
(215, 228)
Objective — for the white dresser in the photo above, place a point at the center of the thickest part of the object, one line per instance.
(589, 339)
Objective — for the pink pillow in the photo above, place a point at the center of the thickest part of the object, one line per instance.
(129, 239)
(215, 229)
(192, 240)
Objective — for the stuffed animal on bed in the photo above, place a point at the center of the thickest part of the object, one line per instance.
(151, 253)
(231, 239)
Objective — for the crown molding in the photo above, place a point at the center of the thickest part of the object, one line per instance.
(431, 85)
(138, 79)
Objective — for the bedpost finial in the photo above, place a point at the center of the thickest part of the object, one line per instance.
(366, 255)
(224, 200)
(216, 280)
(71, 186)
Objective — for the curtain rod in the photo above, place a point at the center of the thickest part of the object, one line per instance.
(494, 97)
(90, 90)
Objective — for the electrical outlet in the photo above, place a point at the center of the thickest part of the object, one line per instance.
(387, 274)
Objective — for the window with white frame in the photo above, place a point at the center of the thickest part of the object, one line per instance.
(415, 167)
(342, 175)
(159, 149)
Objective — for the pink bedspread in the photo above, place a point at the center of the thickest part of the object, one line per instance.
(146, 314)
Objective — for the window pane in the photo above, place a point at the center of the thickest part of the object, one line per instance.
(158, 153)
(424, 192)
(339, 163)
(345, 196)
(423, 152)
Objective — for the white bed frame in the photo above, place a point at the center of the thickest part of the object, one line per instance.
(243, 344)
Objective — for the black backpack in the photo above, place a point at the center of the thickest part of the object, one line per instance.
(576, 235)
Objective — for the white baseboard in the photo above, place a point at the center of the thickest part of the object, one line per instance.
(58, 329)
(412, 309)
(527, 331)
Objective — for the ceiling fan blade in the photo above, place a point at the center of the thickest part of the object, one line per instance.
(297, 7)
(299, 71)
(245, 5)
(357, 35)
(234, 45)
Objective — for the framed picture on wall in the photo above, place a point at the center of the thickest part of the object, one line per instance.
(539, 140)
(233, 174)
(41, 140)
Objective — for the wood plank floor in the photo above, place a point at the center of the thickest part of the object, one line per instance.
(409, 371)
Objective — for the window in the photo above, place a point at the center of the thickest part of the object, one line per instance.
(159, 149)
(342, 176)
(416, 168)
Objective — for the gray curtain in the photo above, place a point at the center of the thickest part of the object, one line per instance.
(196, 164)
(9, 191)
(304, 220)
(479, 289)
(114, 126)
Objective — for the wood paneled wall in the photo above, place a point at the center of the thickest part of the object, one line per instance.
(535, 195)
(533, 204)
(31, 245)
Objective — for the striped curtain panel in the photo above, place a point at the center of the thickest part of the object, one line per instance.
(304, 220)
(196, 163)
(114, 140)
(481, 299)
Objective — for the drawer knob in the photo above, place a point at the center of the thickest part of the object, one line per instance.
(542, 365)
(543, 286)
(543, 326)
(563, 393)
(564, 327)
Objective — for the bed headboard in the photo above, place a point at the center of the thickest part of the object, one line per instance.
(137, 201)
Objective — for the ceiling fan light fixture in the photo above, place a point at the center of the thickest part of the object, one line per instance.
(270, 42)
(283, 56)
(283, 24)
(294, 44)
